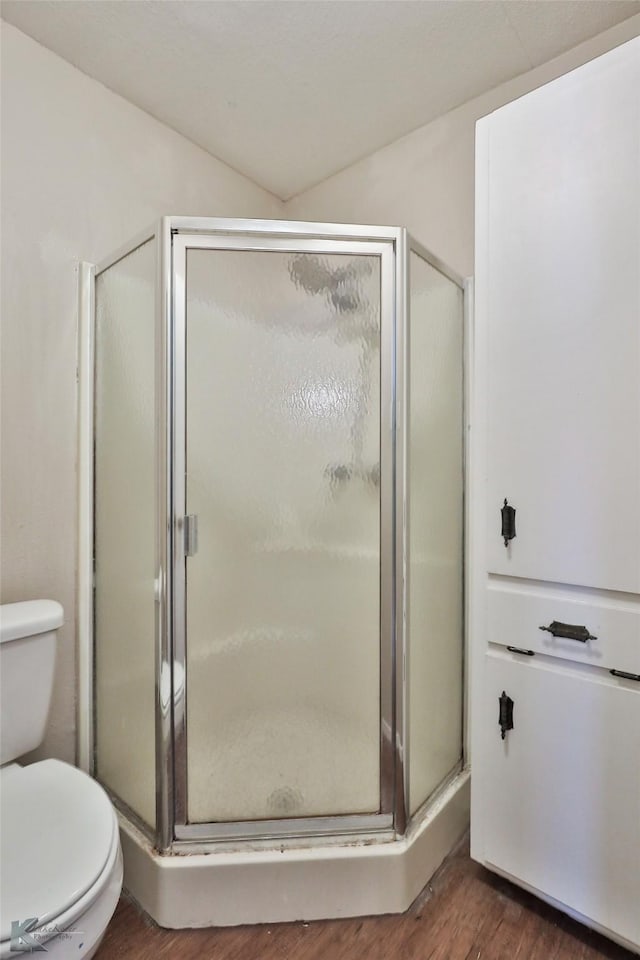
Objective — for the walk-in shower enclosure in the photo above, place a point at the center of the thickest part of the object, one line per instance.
(277, 422)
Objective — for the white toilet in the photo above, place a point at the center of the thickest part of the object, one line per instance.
(60, 856)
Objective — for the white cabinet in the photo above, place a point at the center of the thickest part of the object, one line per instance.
(558, 270)
(561, 793)
(555, 421)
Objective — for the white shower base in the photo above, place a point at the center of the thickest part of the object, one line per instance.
(356, 878)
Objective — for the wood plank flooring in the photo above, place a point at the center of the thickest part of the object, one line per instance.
(464, 913)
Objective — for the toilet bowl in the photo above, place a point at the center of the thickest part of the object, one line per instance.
(59, 840)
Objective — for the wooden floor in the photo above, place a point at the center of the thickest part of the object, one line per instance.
(465, 913)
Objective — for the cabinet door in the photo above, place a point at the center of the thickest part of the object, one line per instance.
(560, 795)
(558, 312)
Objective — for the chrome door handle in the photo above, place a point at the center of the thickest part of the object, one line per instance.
(190, 531)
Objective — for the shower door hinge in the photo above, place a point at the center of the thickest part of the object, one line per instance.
(190, 528)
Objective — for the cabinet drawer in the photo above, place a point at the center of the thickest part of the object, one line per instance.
(515, 615)
(559, 797)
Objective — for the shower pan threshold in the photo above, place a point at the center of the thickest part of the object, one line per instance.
(356, 877)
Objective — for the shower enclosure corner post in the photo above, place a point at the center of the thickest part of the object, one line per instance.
(468, 456)
(165, 679)
(84, 707)
(401, 375)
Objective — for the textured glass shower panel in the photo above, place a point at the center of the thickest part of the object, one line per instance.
(283, 454)
(435, 563)
(125, 521)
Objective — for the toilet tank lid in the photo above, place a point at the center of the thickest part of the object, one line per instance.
(28, 618)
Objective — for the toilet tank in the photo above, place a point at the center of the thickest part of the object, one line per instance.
(27, 663)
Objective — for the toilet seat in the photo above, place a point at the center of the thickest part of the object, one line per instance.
(59, 841)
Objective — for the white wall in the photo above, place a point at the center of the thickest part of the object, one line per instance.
(82, 171)
(425, 181)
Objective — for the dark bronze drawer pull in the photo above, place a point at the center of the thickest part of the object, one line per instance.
(508, 522)
(625, 675)
(526, 653)
(570, 631)
(505, 715)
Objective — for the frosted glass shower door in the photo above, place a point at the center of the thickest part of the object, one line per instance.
(282, 470)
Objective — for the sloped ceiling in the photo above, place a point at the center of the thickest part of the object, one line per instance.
(289, 92)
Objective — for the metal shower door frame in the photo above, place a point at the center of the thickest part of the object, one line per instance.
(170, 745)
(177, 235)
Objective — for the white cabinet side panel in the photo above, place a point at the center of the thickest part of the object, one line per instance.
(476, 475)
